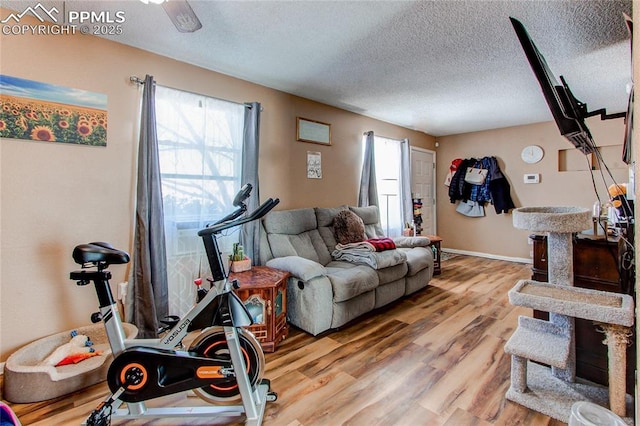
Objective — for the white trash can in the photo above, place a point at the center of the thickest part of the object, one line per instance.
(585, 413)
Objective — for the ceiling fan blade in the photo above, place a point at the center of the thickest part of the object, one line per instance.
(182, 15)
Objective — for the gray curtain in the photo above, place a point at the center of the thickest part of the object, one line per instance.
(250, 236)
(148, 289)
(405, 182)
(368, 195)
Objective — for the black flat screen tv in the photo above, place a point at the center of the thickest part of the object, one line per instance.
(568, 112)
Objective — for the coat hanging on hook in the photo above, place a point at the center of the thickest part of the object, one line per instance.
(481, 181)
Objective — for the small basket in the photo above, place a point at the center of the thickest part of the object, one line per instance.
(240, 265)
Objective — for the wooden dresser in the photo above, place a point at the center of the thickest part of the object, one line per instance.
(598, 264)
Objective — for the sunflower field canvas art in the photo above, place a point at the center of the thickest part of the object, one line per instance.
(35, 111)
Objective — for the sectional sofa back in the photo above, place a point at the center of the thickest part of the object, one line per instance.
(295, 233)
(308, 232)
(371, 217)
(324, 216)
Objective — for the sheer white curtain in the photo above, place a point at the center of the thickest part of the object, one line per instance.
(200, 143)
(388, 180)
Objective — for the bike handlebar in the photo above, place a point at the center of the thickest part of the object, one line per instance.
(234, 214)
(254, 215)
(238, 201)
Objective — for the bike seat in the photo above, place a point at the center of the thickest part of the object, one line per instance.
(99, 253)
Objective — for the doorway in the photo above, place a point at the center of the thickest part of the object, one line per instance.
(423, 170)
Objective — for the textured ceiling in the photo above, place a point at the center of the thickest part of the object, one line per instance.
(442, 67)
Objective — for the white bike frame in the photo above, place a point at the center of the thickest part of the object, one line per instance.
(253, 401)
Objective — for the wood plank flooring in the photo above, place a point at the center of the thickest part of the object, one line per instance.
(435, 358)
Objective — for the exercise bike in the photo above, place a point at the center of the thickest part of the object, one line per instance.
(224, 363)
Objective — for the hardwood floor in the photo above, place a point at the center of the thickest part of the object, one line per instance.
(434, 358)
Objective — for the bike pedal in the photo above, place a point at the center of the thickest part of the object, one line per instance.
(100, 416)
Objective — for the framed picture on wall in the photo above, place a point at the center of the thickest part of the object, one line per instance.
(313, 131)
(314, 165)
(36, 111)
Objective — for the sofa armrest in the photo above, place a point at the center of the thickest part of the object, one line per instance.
(410, 242)
(299, 267)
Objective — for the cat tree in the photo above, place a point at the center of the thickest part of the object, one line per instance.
(553, 390)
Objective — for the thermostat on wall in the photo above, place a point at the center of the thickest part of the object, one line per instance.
(532, 178)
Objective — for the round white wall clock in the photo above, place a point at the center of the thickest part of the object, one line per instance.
(532, 154)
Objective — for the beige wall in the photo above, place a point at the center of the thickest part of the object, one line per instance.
(341, 162)
(54, 196)
(494, 234)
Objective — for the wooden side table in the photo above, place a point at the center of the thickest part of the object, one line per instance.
(263, 291)
(435, 242)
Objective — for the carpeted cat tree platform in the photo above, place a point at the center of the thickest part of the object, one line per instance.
(553, 390)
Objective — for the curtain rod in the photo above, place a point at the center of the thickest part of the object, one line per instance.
(386, 137)
(137, 80)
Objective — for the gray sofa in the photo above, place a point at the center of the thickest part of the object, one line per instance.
(324, 293)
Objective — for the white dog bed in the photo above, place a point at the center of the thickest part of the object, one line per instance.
(26, 380)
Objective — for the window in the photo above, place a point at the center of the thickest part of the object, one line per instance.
(200, 146)
(388, 177)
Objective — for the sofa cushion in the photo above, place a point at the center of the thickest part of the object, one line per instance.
(413, 283)
(346, 311)
(290, 222)
(307, 244)
(392, 273)
(302, 268)
(349, 280)
(408, 242)
(371, 218)
(418, 258)
(324, 217)
(389, 292)
(295, 233)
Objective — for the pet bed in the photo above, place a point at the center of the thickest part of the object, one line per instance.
(26, 380)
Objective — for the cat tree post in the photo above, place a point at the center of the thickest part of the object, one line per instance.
(617, 340)
(559, 223)
(560, 272)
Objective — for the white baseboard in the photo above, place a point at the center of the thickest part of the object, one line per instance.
(488, 255)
